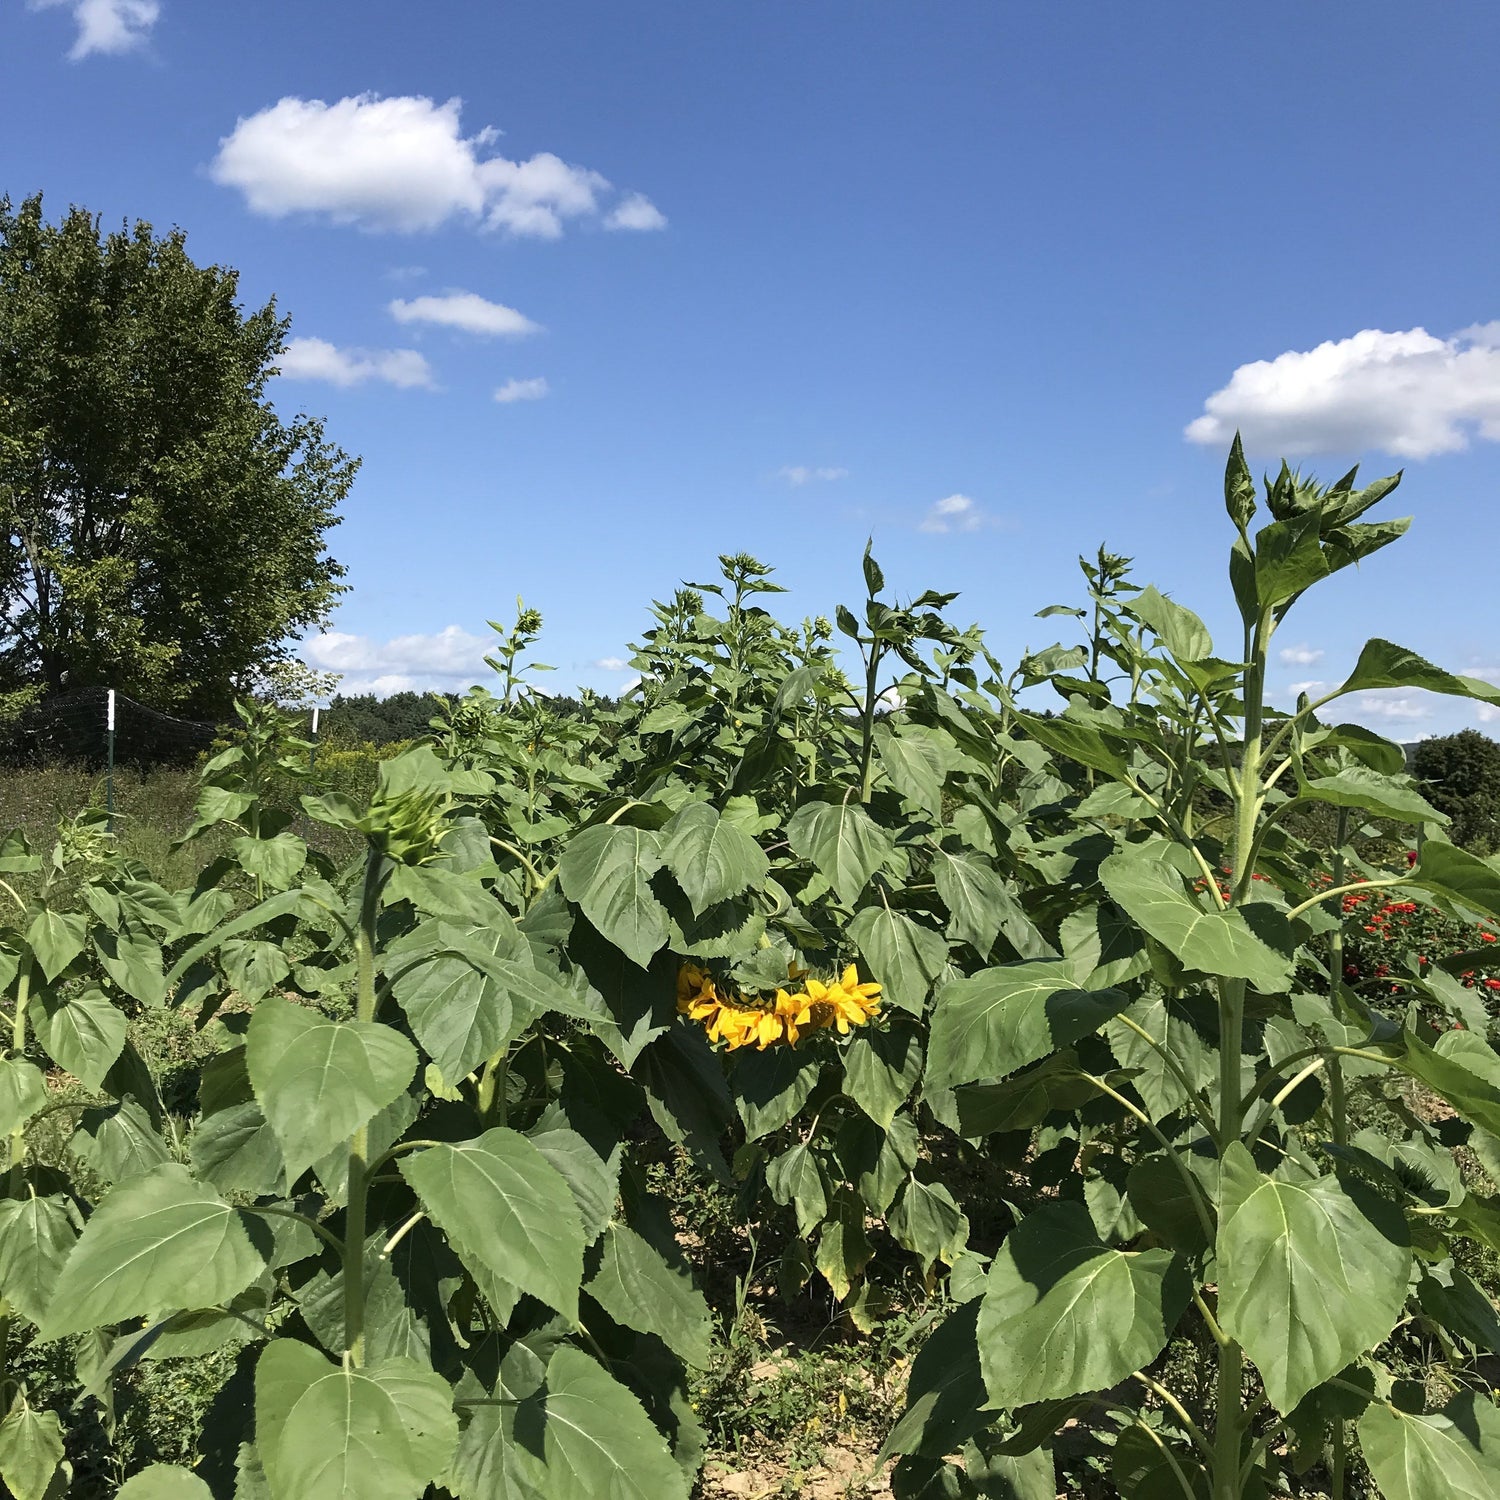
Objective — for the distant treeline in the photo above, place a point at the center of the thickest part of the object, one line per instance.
(362, 718)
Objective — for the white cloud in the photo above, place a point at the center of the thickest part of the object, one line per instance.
(401, 163)
(800, 474)
(450, 660)
(956, 513)
(1300, 656)
(1313, 688)
(317, 359)
(636, 212)
(611, 664)
(1382, 705)
(1408, 393)
(522, 390)
(107, 26)
(466, 310)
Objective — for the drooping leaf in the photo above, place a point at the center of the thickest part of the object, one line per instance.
(976, 898)
(461, 1014)
(796, 1181)
(1064, 1314)
(638, 1288)
(607, 871)
(23, 1091)
(1025, 1099)
(842, 841)
(382, 1432)
(771, 1086)
(881, 1068)
(253, 966)
(36, 1235)
(118, 1142)
(505, 1210)
(1151, 892)
(1170, 1026)
(999, 1020)
(1452, 1454)
(164, 1482)
(592, 1179)
(277, 861)
(903, 957)
(918, 759)
(712, 858)
(844, 1249)
(927, 1220)
(157, 1242)
(1310, 1277)
(1143, 1470)
(945, 1392)
(598, 1440)
(83, 1033)
(31, 1448)
(317, 1080)
(56, 938)
(237, 1151)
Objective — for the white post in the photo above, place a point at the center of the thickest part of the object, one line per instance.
(109, 750)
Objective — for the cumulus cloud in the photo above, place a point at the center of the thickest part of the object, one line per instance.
(402, 163)
(448, 661)
(611, 664)
(955, 513)
(466, 310)
(522, 390)
(107, 26)
(1392, 705)
(1410, 393)
(637, 212)
(317, 359)
(800, 474)
(1300, 656)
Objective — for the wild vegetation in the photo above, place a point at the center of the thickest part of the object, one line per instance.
(470, 1136)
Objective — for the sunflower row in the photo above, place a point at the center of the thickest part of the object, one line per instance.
(770, 1020)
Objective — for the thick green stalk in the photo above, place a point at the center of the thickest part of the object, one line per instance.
(1336, 1104)
(1230, 1419)
(359, 1144)
(17, 1155)
(18, 1049)
(867, 745)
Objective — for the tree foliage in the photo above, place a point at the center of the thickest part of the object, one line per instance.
(163, 526)
(1461, 777)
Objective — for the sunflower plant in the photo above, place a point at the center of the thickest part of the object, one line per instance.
(1247, 1156)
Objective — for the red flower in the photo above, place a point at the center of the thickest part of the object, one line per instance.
(1486, 937)
(1492, 984)
(1411, 858)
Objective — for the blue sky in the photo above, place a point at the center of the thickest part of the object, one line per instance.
(778, 276)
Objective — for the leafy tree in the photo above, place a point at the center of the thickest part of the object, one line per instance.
(163, 526)
(1462, 776)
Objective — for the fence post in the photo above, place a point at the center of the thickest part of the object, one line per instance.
(109, 752)
(312, 754)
